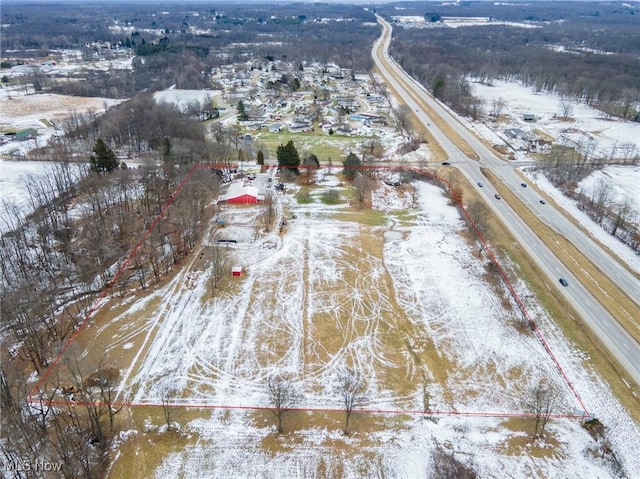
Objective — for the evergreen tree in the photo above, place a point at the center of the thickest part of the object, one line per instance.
(288, 157)
(166, 149)
(103, 159)
(351, 166)
(260, 159)
(242, 112)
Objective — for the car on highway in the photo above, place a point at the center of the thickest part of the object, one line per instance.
(497, 196)
(524, 185)
(543, 202)
(563, 282)
(446, 163)
(479, 184)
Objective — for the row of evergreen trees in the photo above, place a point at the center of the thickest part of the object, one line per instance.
(289, 159)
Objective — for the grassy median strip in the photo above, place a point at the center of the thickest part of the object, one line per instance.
(438, 153)
(558, 207)
(574, 329)
(599, 285)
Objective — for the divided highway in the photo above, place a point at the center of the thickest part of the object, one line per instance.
(623, 347)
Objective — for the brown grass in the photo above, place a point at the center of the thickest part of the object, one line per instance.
(565, 317)
(361, 429)
(438, 154)
(577, 224)
(142, 453)
(527, 446)
(599, 285)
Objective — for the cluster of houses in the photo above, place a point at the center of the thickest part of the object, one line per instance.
(523, 140)
(328, 96)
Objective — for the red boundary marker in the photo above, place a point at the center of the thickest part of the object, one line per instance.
(418, 172)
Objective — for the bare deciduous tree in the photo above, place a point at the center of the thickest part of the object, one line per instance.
(402, 116)
(363, 185)
(219, 264)
(601, 197)
(479, 213)
(622, 215)
(353, 393)
(497, 106)
(541, 400)
(283, 396)
(270, 204)
(165, 398)
(566, 106)
(309, 166)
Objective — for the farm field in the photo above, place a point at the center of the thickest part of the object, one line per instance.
(408, 305)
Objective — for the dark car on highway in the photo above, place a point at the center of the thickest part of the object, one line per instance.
(543, 202)
(524, 185)
(446, 163)
(564, 282)
(479, 184)
(497, 196)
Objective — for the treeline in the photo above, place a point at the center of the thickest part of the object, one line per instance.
(565, 167)
(598, 68)
(54, 263)
(135, 127)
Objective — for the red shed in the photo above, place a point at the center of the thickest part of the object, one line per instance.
(236, 271)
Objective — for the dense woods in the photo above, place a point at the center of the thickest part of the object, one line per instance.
(589, 52)
(87, 219)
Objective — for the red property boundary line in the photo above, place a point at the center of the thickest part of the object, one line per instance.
(418, 172)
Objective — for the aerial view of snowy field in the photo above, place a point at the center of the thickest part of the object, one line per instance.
(317, 241)
(394, 296)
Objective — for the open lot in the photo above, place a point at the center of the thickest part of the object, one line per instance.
(407, 305)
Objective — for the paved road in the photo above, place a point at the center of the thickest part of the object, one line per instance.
(623, 347)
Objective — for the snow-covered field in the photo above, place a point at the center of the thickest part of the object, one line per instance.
(624, 181)
(405, 311)
(43, 112)
(13, 191)
(586, 129)
(181, 98)
(456, 22)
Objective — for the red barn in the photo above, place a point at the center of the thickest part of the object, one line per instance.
(239, 193)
